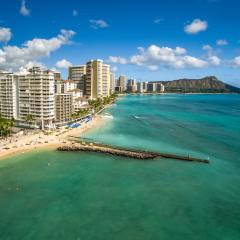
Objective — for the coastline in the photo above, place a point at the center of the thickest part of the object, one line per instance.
(40, 141)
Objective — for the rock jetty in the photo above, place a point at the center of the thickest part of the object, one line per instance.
(141, 155)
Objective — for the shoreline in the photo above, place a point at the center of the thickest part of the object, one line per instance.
(29, 143)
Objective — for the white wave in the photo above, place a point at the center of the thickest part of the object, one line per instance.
(137, 117)
(107, 115)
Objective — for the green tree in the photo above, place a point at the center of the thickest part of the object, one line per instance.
(29, 119)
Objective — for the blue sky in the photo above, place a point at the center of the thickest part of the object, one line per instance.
(148, 40)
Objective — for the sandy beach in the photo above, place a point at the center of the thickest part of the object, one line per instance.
(31, 142)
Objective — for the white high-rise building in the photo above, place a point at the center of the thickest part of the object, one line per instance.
(36, 97)
(142, 87)
(97, 81)
(8, 95)
(106, 80)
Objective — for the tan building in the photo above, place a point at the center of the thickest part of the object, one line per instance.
(112, 82)
(36, 97)
(106, 80)
(77, 74)
(97, 81)
(63, 107)
(122, 83)
(8, 95)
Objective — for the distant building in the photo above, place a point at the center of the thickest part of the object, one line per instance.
(122, 83)
(63, 107)
(112, 82)
(141, 87)
(151, 87)
(77, 74)
(160, 87)
(131, 85)
(118, 89)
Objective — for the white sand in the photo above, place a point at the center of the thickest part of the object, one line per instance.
(24, 143)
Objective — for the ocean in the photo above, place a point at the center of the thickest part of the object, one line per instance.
(46, 194)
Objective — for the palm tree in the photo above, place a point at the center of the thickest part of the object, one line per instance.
(29, 119)
(5, 127)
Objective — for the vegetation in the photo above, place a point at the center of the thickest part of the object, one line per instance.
(95, 105)
(80, 113)
(29, 119)
(5, 126)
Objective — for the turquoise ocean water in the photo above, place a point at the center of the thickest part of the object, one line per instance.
(51, 195)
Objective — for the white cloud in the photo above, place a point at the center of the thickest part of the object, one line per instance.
(158, 20)
(207, 48)
(117, 59)
(153, 57)
(196, 26)
(23, 9)
(5, 34)
(14, 57)
(214, 60)
(114, 68)
(98, 23)
(235, 62)
(63, 64)
(75, 13)
(211, 55)
(222, 42)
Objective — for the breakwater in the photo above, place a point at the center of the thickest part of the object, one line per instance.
(136, 154)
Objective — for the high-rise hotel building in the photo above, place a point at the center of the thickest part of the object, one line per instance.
(8, 95)
(28, 93)
(112, 82)
(77, 74)
(36, 97)
(122, 83)
(97, 80)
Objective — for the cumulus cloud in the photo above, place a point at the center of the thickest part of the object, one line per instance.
(222, 42)
(153, 57)
(75, 13)
(99, 23)
(235, 62)
(196, 26)
(213, 59)
(23, 9)
(117, 59)
(5, 34)
(14, 57)
(63, 64)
